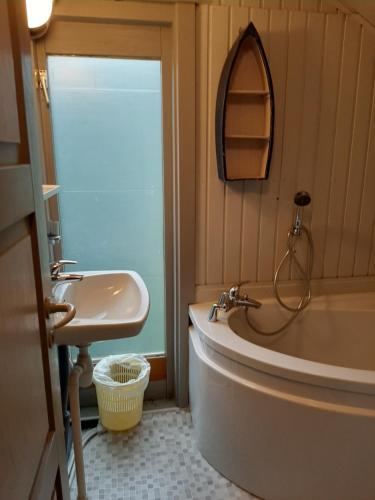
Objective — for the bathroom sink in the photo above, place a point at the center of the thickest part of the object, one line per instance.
(109, 305)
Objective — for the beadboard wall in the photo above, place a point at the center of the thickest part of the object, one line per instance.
(322, 64)
(309, 5)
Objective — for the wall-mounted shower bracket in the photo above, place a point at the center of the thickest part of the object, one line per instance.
(301, 199)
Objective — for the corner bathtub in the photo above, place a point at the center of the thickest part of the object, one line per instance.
(289, 417)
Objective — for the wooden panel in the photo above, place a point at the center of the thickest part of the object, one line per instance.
(117, 40)
(277, 56)
(294, 99)
(238, 19)
(9, 127)
(184, 89)
(218, 40)
(15, 191)
(251, 3)
(270, 4)
(252, 191)
(114, 11)
(314, 39)
(245, 115)
(343, 145)
(201, 141)
(327, 128)
(324, 142)
(158, 368)
(365, 249)
(45, 480)
(371, 270)
(20, 354)
(291, 4)
(248, 63)
(311, 103)
(360, 138)
(328, 6)
(310, 5)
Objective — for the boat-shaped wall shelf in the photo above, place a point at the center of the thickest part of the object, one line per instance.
(245, 111)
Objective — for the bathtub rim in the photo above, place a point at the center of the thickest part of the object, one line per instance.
(219, 336)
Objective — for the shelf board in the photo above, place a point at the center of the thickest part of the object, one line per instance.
(249, 92)
(50, 190)
(248, 137)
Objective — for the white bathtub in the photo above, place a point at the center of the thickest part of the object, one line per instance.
(290, 417)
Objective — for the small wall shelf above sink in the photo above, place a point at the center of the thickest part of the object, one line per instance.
(50, 190)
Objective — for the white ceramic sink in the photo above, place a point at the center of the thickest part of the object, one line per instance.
(109, 305)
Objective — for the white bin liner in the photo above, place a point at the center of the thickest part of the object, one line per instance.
(111, 370)
(120, 383)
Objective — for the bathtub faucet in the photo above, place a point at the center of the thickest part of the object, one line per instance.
(228, 300)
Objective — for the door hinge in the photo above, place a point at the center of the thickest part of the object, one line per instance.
(41, 77)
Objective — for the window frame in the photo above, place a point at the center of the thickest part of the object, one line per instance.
(147, 31)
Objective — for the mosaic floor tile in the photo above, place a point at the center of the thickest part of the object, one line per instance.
(157, 460)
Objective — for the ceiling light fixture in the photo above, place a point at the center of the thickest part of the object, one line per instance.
(38, 16)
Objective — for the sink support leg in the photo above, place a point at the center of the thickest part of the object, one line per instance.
(80, 375)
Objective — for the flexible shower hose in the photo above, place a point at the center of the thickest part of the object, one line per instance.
(305, 273)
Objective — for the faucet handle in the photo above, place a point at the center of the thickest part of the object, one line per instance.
(234, 292)
(56, 266)
(64, 262)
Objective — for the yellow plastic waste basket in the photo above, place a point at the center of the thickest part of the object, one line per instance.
(120, 383)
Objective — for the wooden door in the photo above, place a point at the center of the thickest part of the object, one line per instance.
(120, 40)
(32, 454)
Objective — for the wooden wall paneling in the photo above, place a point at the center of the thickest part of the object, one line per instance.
(230, 3)
(307, 145)
(320, 145)
(261, 19)
(311, 102)
(310, 5)
(130, 12)
(218, 40)
(326, 137)
(250, 3)
(343, 145)
(277, 57)
(327, 6)
(238, 19)
(371, 270)
(18, 196)
(365, 249)
(291, 4)
(184, 116)
(201, 144)
(252, 189)
(270, 4)
(354, 188)
(9, 125)
(292, 130)
(82, 39)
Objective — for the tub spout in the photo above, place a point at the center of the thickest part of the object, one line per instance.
(247, 302)
(231, 299)
(212, 315)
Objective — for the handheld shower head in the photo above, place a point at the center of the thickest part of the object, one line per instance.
(301, 199)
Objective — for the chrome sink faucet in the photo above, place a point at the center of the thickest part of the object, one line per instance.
(228, 300)
(56, 275)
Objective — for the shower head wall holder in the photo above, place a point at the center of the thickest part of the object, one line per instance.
(301, 199)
